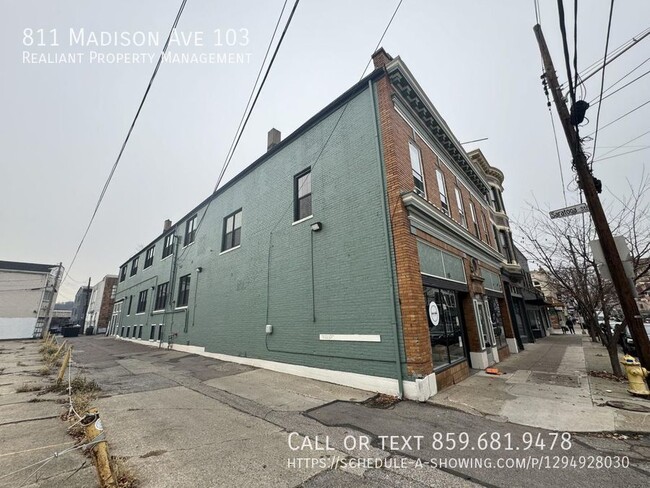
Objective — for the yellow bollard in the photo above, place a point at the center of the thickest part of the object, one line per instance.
(93, 427)
(64, 366)
(46, 337)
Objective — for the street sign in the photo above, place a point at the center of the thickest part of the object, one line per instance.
(569, 211)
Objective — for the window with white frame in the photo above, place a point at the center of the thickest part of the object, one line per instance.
(190, 231)
(148, 257)
(442, 189)
(416, 168)
(472, 210)
(231, 231)
(134, 265)
(302, 195)
(168, 245)
(461, 207)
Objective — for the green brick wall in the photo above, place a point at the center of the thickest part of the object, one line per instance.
(227, 310)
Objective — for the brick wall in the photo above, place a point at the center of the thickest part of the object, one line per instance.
(452, 375)
(395, 137)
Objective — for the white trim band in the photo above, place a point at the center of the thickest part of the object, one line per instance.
(350, 337)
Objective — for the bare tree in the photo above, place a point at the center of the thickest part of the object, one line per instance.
(562, 248)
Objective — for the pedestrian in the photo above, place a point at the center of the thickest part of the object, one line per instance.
(569, 324)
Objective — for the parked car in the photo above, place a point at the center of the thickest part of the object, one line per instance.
(628, 343)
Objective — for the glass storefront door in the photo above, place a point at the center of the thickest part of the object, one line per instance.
(445, 326)
(497, 321)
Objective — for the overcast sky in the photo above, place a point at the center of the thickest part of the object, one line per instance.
(478, 61)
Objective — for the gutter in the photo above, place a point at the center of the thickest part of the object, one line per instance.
(393, 280)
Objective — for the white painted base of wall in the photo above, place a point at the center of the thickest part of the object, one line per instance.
(495, 354)
(17, 327)
(512, 345)
(479, 360)
(420, 390)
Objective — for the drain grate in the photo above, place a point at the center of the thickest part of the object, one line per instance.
(631, 406)
(541, 378)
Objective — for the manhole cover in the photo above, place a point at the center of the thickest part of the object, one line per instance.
(541, 378)
(633, 407)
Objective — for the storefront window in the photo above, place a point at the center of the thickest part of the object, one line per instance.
(445, 328)
(497, 321)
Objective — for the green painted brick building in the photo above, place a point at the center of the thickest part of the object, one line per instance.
(329, 295)
(297, 264)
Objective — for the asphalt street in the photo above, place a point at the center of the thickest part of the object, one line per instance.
(186, 420)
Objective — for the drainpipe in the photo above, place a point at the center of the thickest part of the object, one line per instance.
(398, 359)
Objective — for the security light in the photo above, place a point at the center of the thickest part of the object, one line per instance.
(316, 226)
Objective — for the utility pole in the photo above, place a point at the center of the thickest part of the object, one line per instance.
(586, 182)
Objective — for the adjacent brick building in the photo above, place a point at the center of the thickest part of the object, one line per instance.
(365, 249)
(100, 305)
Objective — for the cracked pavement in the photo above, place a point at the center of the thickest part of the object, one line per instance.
(186, 420)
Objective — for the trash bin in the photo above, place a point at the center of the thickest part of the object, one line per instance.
(89, 330)
(70, 331)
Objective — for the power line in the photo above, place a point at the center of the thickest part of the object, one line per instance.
(565, 47)
(266, 74)
(624, 86)
(625, 144)
(622, 116)
(602, 78)
(623, 154)
(382, 36)
(128, 135)
(612, 56)
(248, 111)
(559, 160)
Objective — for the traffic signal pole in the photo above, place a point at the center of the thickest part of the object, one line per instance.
(620, 281)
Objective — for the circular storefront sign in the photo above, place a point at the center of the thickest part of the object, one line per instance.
(434, 314)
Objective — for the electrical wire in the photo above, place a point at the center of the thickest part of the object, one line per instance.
(248, 111)
(590, 70)
(645, 148)
(128, 135)
(624, 86)
(624, 144)
(559, 159)
(382, 37)
(602, 80)
(565, 47)
(622, 116)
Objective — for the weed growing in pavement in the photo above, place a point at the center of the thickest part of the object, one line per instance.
(20, 363)
(27, 387)
(81, 384)
(45, 371)
(123, 474)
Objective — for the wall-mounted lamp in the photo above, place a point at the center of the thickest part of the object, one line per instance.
(316, 227)
(199, 269)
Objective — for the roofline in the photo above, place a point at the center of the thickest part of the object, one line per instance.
(324, 112)
(398, 64)
(23, 267)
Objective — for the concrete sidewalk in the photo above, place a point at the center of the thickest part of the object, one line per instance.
(30, 428)
(547, 386)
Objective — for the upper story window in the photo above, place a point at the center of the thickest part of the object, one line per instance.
(168, 245)
(485, 229)
(183, 291)
(231, 231)
(123, 273)
(148, 257)
(416, 167)
(190, 231)
(472, 210)
(302, 196)
(442, 188)
(496, 201)
(142, 302)
(128, 310)
(161, 296)
(461, 207)
(134, 265)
